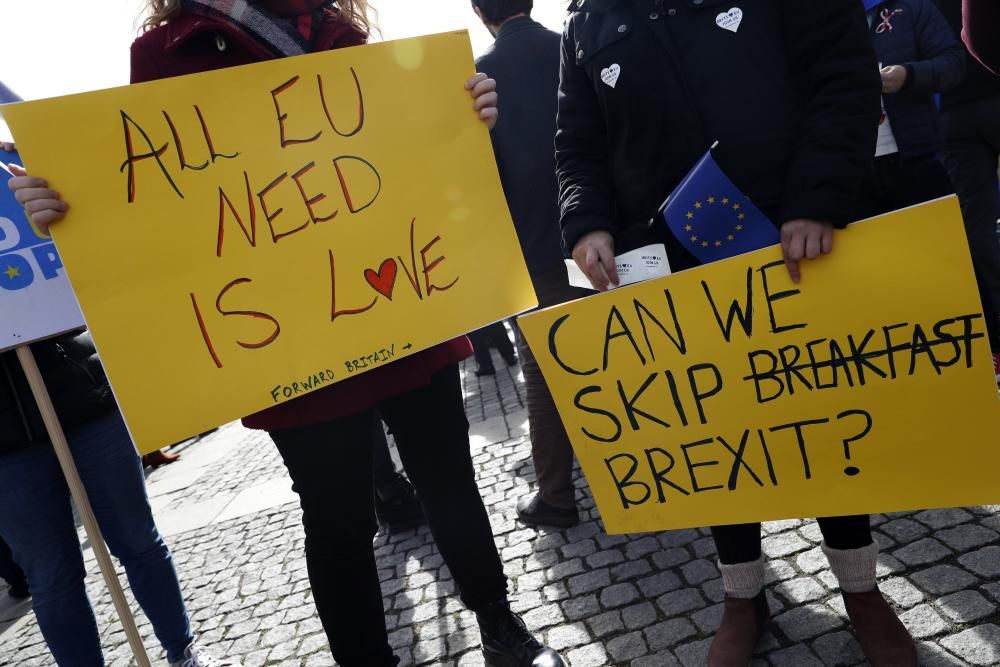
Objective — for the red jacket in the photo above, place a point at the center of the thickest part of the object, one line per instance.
(189, 44)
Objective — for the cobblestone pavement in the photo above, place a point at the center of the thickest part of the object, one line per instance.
(643, 601)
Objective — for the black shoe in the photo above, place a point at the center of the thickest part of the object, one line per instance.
(534, 511)
(19, 590)
(507, 642)
(511, 359)
(485, 371)
(397, 506)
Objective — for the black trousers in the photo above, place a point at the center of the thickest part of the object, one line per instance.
(740, 543)
(496, 335)
(331, 469)
(972, 150)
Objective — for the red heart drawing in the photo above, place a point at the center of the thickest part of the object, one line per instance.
(383, 281)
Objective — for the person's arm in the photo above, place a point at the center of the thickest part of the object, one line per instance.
(981, 31)
(585, 185)
(941, 63)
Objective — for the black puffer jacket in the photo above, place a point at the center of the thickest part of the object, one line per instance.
(790, 89)
(76, 382)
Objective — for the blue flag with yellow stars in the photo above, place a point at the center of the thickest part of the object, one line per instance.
(712, 219)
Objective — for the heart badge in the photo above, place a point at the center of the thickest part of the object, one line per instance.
(383, 281)
(730, 20)
(609, 75)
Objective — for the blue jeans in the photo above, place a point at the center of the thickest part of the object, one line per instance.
(36, 519)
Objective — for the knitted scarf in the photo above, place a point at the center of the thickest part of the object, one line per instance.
(288, 34)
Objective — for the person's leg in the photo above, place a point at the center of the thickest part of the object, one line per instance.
(970, 156)
(12, 573)
(848, 545)
(111, 471)
(432, 438)
(480, 340)
(441, 469)
(551, 451)
(396, 505)
(37, 522)
(501, 341)
(745, 611)
(331, 469)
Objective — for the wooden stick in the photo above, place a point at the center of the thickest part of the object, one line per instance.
(79, 494)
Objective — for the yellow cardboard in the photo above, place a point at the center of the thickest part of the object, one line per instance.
(708, 397)
(241, 237)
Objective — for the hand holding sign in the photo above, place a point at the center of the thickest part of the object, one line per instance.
(42, 205)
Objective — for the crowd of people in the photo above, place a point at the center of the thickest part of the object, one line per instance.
(825, 113)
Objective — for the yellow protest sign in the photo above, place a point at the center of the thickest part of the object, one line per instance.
(726, 394)
(241, 237)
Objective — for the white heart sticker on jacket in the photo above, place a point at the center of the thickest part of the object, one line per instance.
(730, 20)
(609, 75)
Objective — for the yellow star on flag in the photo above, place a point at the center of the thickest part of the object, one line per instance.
(693, 239)
(690, 216)
(739, 228)
(731, 237)
(704, 244)
(711, 200)
(718, 244)
(688, 228)
(736, 207)
(697, 204)
(12, 272)
(725, 200)
(741, 216)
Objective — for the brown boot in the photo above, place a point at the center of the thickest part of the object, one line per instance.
(883, 637)
(743, 623)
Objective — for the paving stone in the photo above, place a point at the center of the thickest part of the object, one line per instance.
(985, 562)
(808, 621)
(967, 536)
(923, 621)
(811, 561)
(543, 617)
(942, 579)
(966, 607)
(699, 571)
(977, 646)
(943, 518)
(659, 583)
(567, 636)
(679, 602)
(591, 655)
(627, 647)
(589, 581)
(641, 547)
(785, 544)
(581, 607)
(639, 615)
(904, 530)
(930, 654)
(694, 654)
(669, 633)
(605, 624)
(795, 656)
(803, 589)
(901, 592)
(661, 659)
(839, 648)
(922, 552)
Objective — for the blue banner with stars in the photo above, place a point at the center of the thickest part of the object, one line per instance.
(712, 219)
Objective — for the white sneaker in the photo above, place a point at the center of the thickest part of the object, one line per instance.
(195, 656)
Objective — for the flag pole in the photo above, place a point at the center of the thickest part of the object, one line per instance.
(79, 493)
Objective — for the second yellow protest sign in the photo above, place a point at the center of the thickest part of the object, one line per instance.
(241, 237)
(726, 394)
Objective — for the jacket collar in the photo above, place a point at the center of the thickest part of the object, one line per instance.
(515, 25)
(185, 26)
(592, 5)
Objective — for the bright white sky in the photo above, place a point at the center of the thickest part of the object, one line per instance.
(57, 47)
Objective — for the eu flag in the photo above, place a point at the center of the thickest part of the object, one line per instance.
(712, 219)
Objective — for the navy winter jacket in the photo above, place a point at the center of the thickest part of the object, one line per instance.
(789, 89)
(913, 33)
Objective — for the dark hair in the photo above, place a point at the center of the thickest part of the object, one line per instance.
(496, 12)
